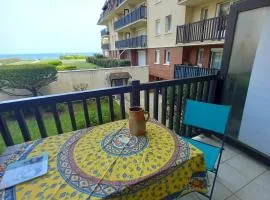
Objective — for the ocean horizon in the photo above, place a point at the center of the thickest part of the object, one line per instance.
(40, 56)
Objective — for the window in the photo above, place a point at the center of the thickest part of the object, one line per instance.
(157, 56)
(200, 57)
(204, 13)
(167, 56)
(216, 58)
(223, 9)
(168, 23)
(157, 26)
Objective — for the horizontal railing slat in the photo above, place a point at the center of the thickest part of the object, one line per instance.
(160, 84)
(61, 98)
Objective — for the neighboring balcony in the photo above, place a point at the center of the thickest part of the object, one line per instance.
(192, 2)
(134, 18)
(135, 42)
(105, 46)
(104, 32)
(208, 29)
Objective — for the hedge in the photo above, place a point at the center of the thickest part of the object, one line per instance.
(108, 63)
(72, 57)
(31, 77)
(52, 62)
(65, 68)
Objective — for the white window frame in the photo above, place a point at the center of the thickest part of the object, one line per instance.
(157, 26)
(157, 56)
(167, 57)
(215, 50)
(168, 24)
(200, 61)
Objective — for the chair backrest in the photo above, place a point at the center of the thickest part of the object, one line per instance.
(207, 116)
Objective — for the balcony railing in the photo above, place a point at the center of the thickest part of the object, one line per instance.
(136, 42)
(105, 46)
(184, 71)
(111, 6)
(173, 96)
(133, 16)
(104, 32)
(209, 29)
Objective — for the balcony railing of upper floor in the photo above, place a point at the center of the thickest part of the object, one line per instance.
(135, 15)
(173, 94)
(186, 71)
(208, 29)
(111, 5)
(105, 46)
(104, 32)
(135, 42)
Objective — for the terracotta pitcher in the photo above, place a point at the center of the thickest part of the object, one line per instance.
(137, 121)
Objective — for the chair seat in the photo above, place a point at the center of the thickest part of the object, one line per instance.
(211, 153)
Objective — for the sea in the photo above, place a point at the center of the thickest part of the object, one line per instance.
(40, 56)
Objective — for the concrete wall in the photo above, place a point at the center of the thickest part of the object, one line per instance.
(96, 79)
(159, 11)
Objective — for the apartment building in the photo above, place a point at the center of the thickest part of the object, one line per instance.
(163, 54)
(126, 22)
(162, 33)
(202, 36)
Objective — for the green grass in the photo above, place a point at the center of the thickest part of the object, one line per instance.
(65, 121)
(80, 64)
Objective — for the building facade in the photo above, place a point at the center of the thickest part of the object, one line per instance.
(162, 33)
(126, 22)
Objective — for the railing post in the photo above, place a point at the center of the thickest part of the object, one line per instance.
(202, 33)
(219, 27)
(135, 95)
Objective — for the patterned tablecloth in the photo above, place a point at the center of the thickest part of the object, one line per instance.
(106, 162)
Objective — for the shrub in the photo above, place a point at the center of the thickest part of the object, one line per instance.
(72, 57)
(30, 77)
(65, 68)
(108, 63)
(80, 87)
(98, 55)
(52, 62)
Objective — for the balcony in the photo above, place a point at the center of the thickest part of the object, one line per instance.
(104, 32)
(192, 2)
(209, 29)
(184, 71)
(136, 42)
(134, 17)
(105, 46)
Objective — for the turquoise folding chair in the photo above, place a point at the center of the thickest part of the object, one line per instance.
(213, 118)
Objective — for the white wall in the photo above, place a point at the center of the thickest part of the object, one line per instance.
(95, 78)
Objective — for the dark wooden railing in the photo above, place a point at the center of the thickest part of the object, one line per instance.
(208, 29)
(171, 94)
(135, 42)
(185, 71)
(105, 46)
(133, 16)
(104, 32)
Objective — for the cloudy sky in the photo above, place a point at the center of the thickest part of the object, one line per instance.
(49, 26)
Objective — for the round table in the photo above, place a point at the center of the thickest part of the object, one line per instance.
(108, 162)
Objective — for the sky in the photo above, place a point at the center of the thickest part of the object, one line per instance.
(49, 26)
